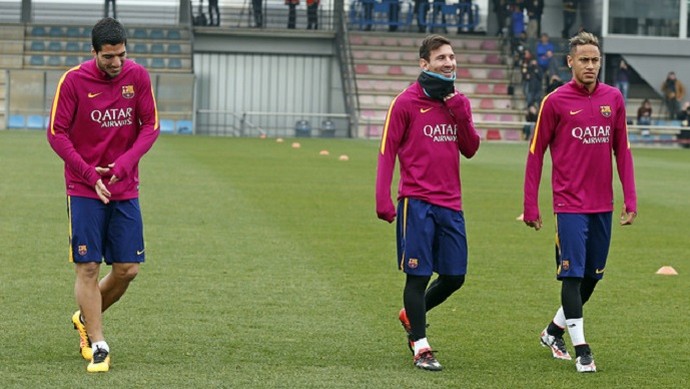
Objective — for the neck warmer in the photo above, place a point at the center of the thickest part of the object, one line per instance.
(435, 85)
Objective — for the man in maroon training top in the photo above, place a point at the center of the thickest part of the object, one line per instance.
(103, 120)
(583, 123)
(428, 125)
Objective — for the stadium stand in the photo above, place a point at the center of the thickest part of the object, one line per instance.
(386, 65)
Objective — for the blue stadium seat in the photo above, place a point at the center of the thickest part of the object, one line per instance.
(184, 127)
(167, 126)
(36, 122)
(55, 46)
(174, 34)
(157, 48)
(54, 60)
(174, 49)
(86, 32)
(16, 121)
(56, 31)
(142, 61)
(86, 47)
(71, 60)
(37, 60)
(73, 32)
(72, 46)
(174, 63)
(157, 63)
(157, 33)
(38, 46)
(140, 34)
(140, 48)
(38, 31)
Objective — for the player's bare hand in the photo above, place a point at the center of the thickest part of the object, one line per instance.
(102, 192)
(102, 170)
(113, 178)
(105, 171)
(536, 224)
(627, 218)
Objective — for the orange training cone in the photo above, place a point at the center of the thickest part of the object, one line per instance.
(667, 271)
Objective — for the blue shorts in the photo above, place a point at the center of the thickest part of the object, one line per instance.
(98, 231)
(582, 244)
(430, 239)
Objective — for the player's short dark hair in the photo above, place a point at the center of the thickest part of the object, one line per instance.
(108, 31)
(431, 43)
(583, 38)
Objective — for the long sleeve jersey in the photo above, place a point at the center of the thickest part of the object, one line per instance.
(581, 130)
(425, 135)
(97, 120)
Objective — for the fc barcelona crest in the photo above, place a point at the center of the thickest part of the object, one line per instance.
(81, 249)
(128, 91)
(605, 110)
(412, 263)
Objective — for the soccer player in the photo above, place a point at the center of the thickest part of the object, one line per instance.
(428, 125)
(103, 120)
(583, 124)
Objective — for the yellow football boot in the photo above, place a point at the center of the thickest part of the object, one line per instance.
(84, 341)
(100, 362)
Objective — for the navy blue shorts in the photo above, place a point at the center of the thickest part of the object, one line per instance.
(582, 244)
(430, 239)
(98, 231)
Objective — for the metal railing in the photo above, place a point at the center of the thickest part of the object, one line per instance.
(271, 124)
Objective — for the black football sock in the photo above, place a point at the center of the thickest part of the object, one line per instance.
(571, 299)
(413, 298)
(441, 288)
(587, 288)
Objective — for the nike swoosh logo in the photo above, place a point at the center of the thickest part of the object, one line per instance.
(599, 271)
(425, 110)
(92, 95)
(140, 252)
(575, 112)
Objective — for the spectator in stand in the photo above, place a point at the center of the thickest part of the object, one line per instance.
(552, 67)
(554, 82)
(543, 47)
(644, 116)
(292, 13)
(465, 8)
(673, 91)
(437, 7)
(531, 119)
(569, 16)
(622, 78)
(502, 11)
(213, 9)
(532, 79)
(535, 8)
(312, 14)
(393, 14)
(684, 115)
(368, 6)
(518, 46)
(421, 7)
(257, 9)
(517, 20)
(106, 10)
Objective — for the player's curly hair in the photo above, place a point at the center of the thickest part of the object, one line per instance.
(583, 38)
(431, 43)
(108, 31)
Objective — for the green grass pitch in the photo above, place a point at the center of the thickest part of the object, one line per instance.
(267, 268)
